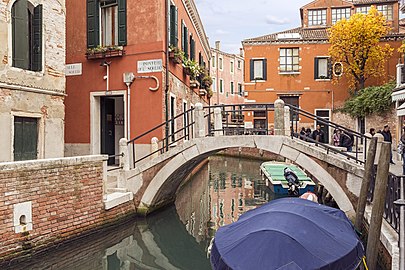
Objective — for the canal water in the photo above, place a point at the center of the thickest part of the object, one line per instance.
(175, 238)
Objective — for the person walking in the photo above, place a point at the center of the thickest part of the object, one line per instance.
(336, 137)
(403, 150)
(388, 138)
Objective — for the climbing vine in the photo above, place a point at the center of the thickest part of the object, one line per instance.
(370, 100)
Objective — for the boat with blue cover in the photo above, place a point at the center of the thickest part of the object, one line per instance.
(286, 179)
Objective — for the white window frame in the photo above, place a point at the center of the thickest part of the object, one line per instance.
(214, 84)
(337, 14)
(221, 63)
(214, 60)
(115, 23)
(292, 71)
(232, 67)
(258, 78)
(317, 13)
(328, 72)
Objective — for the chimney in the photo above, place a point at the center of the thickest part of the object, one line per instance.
(217, 44)
(241, 52)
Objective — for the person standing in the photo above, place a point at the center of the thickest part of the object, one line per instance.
(302, 133)
(388, 138)
(336, 137)
(372, 131)
(403, 150)
(346, 141)
(318, 134)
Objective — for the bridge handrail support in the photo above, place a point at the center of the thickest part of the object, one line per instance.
(199, 121)
(287, 121)
(279, 127)
(218, 122)
(380, 139)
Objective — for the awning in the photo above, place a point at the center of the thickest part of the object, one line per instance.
(401, 110)
(398, 95)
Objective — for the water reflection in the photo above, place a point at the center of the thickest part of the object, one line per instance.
(176, 238)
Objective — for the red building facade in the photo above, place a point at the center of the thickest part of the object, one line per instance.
(117, 65)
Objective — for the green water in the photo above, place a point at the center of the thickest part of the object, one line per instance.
(175, 238)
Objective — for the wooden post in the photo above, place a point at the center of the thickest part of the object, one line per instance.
(380, 190)
(368, 170)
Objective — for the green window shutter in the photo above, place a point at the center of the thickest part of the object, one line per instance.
(20, 34)
(192, 48)
(265, 69)
(173, 26)
(93, 37)
(25, 138)
(186, 54)
(176, 27)
(316, 68)
(182, 35)
(37, 45)
(122, 22)
(252, 69)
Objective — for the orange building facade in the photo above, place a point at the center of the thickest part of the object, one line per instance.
(117, 64)
(294, 65)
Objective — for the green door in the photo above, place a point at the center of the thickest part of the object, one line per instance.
(25, 138)
(108, 128)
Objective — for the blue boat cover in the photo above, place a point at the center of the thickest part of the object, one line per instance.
(288, 233)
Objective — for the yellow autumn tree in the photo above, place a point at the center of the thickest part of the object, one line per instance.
(355, 43)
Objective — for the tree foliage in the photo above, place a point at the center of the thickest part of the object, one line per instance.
(370, 100)
(355, 43)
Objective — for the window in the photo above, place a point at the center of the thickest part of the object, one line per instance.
(174, 29)
(25, 138)
(26, 35)
(184, 39)
(289, 60)
(232, 66)
(258, 69)
(340, 13)
(221, 86)
(232, 89)
(294, 101)
(317, 17)
(386, 10)
(214, 61)
(240, 91)
(363, 10)
(221, 62)
(106, 19)
(239, 64)
(214, 84)
(322, 68)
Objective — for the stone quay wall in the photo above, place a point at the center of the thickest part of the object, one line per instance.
(45, 202)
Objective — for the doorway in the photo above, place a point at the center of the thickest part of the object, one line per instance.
(324, 114)
(111, 126)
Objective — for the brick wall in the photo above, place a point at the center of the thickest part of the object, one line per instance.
(67, 201)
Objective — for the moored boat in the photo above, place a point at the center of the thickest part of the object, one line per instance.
(283, 178)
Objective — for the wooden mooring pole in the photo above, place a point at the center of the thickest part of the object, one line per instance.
(380, 190)
(368, 170)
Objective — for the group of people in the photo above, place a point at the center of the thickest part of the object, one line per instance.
(340, 138)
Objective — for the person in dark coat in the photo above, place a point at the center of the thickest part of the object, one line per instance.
(318, 134)
(346, 141)
(388, 138)
(308, 133)
(302, 134)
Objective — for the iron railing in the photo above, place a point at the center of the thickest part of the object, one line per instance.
(391, 211)
(175, 135)
(360, 141)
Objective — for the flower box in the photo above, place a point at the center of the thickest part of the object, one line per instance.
(175, 57)
(194, 84)
(104, 52)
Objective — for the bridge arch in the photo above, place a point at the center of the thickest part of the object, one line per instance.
(181, 160)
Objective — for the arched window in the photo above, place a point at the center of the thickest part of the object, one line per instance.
(27, 35)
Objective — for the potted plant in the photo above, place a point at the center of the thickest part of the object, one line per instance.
(191, 68)
(176, 55)
(104, 51)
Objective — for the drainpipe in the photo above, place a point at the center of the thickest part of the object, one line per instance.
(167, 77)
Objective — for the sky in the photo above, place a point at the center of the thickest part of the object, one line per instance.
(232, 21)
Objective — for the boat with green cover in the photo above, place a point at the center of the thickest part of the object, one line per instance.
(274, 173)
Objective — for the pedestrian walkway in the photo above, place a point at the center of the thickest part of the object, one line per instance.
(396, 169)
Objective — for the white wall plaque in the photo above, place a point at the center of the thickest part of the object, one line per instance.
(73, 69)
(149, 66)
